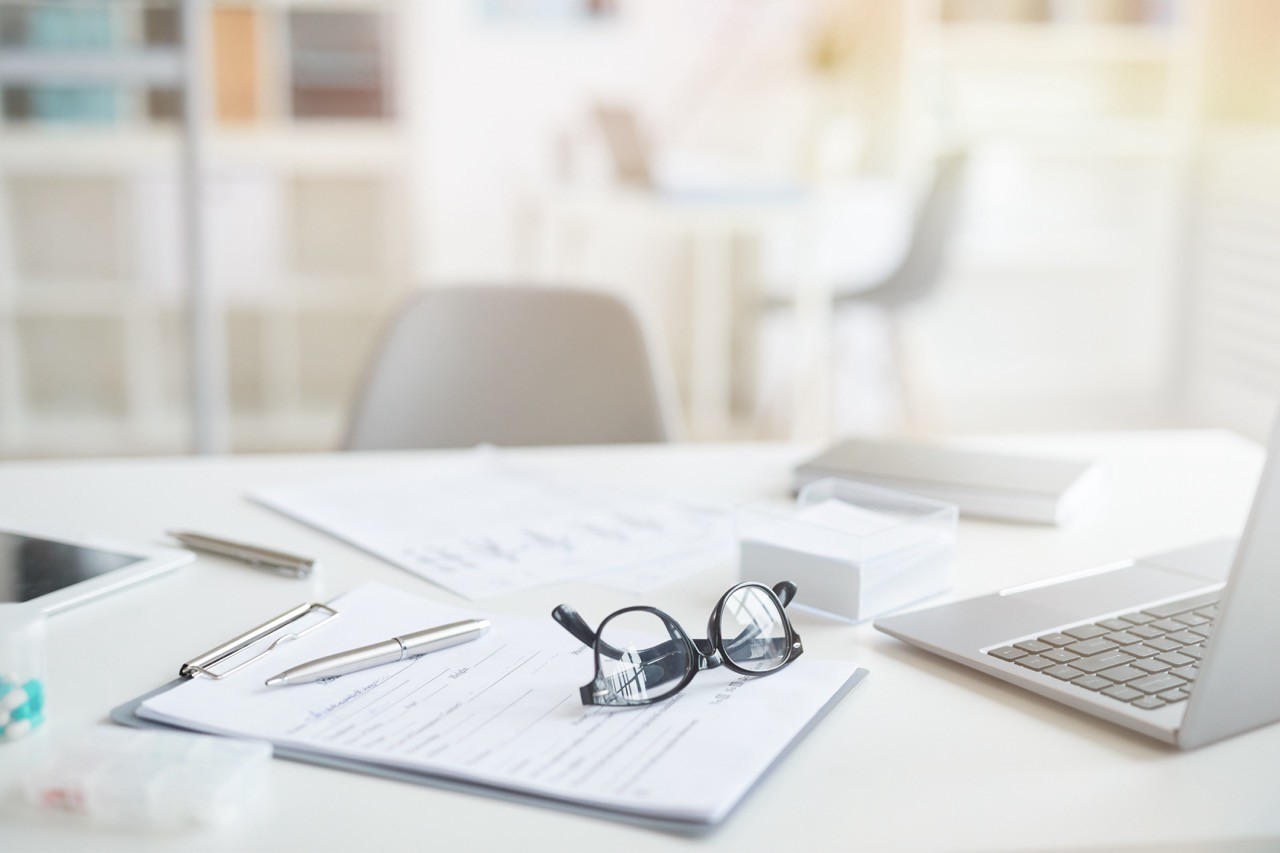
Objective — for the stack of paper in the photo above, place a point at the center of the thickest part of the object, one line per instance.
(480, 527)
(502, 715)
(851, 561)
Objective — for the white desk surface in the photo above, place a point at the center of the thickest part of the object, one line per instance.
(925, 754)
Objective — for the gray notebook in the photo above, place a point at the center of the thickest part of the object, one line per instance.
(989, 485)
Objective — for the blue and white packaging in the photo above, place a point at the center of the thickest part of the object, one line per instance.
(22, 670)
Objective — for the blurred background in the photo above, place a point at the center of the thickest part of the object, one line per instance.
(838, 216)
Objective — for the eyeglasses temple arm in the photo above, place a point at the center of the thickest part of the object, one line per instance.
(574, 624)
(577, 626)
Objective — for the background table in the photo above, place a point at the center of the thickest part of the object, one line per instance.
(925, 754)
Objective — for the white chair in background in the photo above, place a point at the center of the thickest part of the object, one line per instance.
(920, 271)
(917, 278)
(511, 366)
(913, 279)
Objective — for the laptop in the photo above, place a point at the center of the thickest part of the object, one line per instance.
(1177, 646)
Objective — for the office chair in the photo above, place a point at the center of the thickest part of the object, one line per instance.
(920, 271)
(510, 366)
(918, 274)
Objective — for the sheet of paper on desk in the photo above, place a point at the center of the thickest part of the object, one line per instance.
(504, 711)
(480, 527)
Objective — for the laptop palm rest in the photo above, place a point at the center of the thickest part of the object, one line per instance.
(964, 627)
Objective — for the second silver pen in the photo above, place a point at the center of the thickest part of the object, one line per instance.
(387, 651)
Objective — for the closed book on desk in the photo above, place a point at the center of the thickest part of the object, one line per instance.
(986, 485)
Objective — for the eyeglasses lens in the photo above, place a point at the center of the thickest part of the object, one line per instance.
(648, 658)
(753, 630)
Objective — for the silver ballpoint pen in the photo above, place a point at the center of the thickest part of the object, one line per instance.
(387, 651)
(255, 555)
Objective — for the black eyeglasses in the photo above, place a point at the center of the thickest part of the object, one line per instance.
(749, 633)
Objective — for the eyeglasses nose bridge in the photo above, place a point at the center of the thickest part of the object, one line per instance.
(706, 661)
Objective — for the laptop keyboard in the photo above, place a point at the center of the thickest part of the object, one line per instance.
(1147, 658)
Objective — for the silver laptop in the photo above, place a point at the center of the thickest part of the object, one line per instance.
(1178, 646)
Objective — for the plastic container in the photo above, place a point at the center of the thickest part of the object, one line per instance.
(22, 670)
(153, 778)
(854, 551)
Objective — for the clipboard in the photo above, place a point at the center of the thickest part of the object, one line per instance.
(207, 666)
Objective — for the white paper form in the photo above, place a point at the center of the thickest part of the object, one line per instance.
(481, 527)
(504, 710)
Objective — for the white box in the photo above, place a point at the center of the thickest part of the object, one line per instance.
(853, 551)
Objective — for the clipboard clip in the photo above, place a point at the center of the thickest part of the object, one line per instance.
(204, 665)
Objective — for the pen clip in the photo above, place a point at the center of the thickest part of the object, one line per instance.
(202, 664)
(293, 570)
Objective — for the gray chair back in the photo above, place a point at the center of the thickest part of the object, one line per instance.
(510, 366)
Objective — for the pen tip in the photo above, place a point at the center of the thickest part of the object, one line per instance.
(274, 680)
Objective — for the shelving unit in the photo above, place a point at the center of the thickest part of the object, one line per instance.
(64, 63)
(1081, 79)
(304, 205)
(1229, 330)
(1082, 116)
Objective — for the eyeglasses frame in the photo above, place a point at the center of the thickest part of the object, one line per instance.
(702, 654)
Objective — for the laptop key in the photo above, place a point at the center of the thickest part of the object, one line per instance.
(1092, 682)
(1203, 630)
(1114, 624)
(1167, 625)
(1177, 694)
(1140, 650)
(1100, 662)
(1034, 662)
(1196, 652)
(1163, 644)
(1086, 632)
(1153, 665)
(1035, 647)
(1124, 638)
(1145, 631)
(1007, 653)
(1186, 638)
(1175, 659)
(1187, 672)
(1210, 612)
(1121, 674)
(1148, 703)
(1060, 655)
(1062, 672)
(1156, 683)
(1057, 640)
(1190, 619)
(1137, 618)
(1095, 646)
(1122, 692)
(1173, 608)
